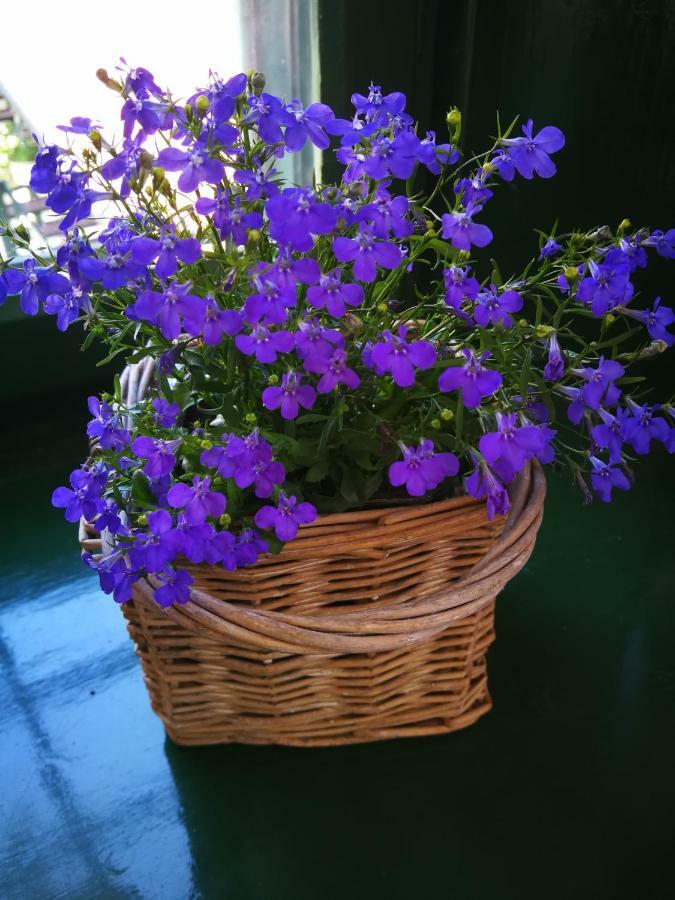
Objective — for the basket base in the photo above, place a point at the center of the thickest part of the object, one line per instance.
(208, 691)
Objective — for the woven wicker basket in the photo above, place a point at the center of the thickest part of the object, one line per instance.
(370, 625)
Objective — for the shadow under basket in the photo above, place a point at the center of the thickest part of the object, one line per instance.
(369, 625)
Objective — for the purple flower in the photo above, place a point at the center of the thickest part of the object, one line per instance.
(459, 286)
(160, 455)
(387, 215)
(484, 483)
(530, 154)
(395, 355)
(366, 253)
(265, 344)
(106, 426)
(218, 322)
(195, 166)
(421, 469)
(150, 115)
(550, 248)
(258, 182)
(34, 284)
(493, 308)
(154, 548)
(171, 310)
(609, 434)
(460, 229)
(81, 500)
(167, 250)
(228, 216)
(274, 296)
(225, 459)
(255, 466)
(249, 546)
(555, 365)
(333, 295)
(268, 113)
(290, 396)
(473, 190)
(125, 165)
(113, 270)
(165, 413)
(605, 477)
(313, 339)
(333, 369)
(199, 502)
(308, 123)
(67, 307)
(473, 380)
(295, 215)
(642, 427)
(657, 319)
(175, 587)
(286, 517)
(115, 575)
(663, 243)
(502, 163)
(607, 285)
(633, 252)
(508, 448)
(600, 388)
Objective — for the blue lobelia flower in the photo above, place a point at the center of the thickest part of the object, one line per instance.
(642, 426)
(484, 483)
(607, 285)
(286, 517)
(34, 284)
(168, 250)
(662, 242)
(307, 124)
(229, 217)
(394, 354)
(460, 229)
(366, 253)
(604, 477)
(160, 456)
(334, 295)
(421, 469)
(530, 154)
(171, 310)
(289, 396)
(194, 164)
(495, 308)
(198, 502)
(264, 344)
(175, 587)
(473, 380)
(657, 319)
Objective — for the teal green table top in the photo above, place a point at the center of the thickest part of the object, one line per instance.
(566, 790)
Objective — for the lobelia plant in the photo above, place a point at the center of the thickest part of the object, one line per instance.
(323, 347)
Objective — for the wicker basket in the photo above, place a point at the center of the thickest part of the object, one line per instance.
(370, 625)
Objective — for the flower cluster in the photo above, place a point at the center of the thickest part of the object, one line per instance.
(316, 348)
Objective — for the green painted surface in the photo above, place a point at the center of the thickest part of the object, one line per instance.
(564, 790)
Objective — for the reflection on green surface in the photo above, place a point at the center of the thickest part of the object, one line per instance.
(564, 790)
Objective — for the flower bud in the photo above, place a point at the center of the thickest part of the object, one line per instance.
(570, 273)
(625, 224)
(542, 331)
(146, 160)
(189, 112)
(273, 379)
(435, 424)
(523, 323)
(352, 323)
(487, 167)
(143, 520)
(202, 104)
(205, 445)
(454, 122)
(95, 138)
(604, 233)
(447, 415)
(257, 83)
(250, 418)
(225, 519)
(382, 307)
(109, 82)
(253, 236)
(610, 319)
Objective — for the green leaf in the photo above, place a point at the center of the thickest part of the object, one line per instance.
(318, 471)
